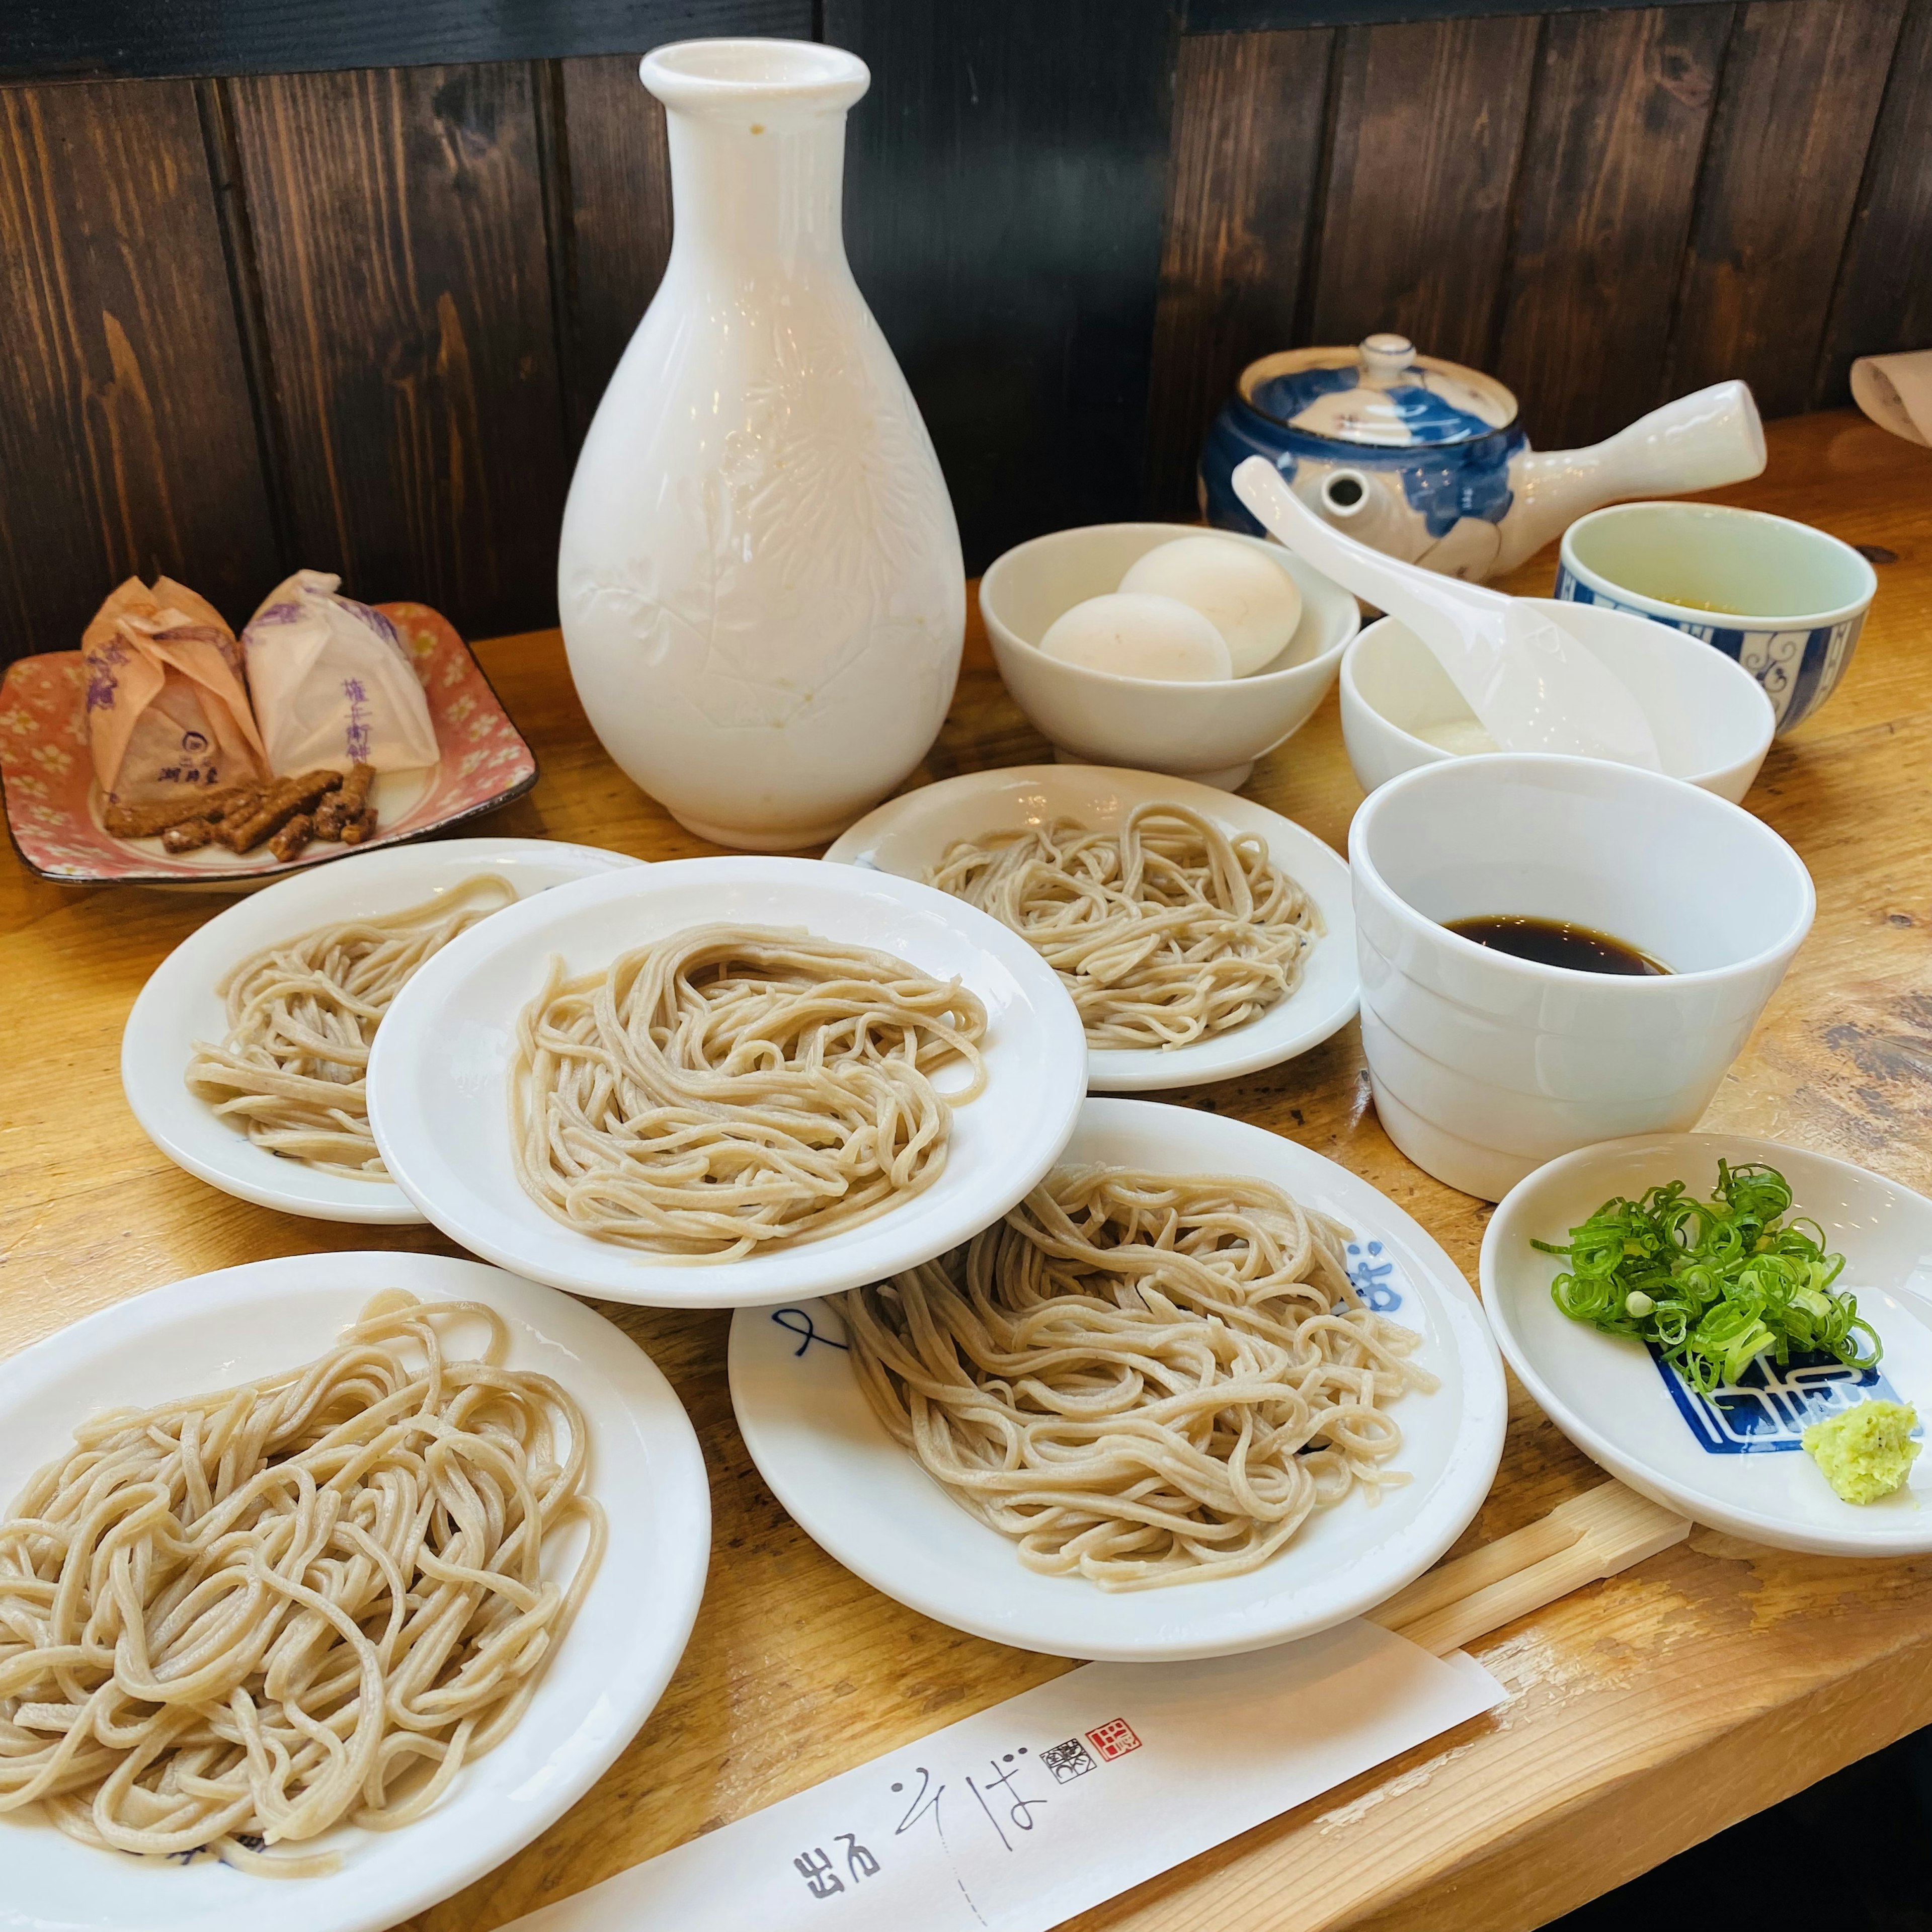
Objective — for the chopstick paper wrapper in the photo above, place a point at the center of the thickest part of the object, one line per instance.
(1896, 392)
(1067, 1794)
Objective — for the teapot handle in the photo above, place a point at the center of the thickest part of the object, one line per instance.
(1697, 442)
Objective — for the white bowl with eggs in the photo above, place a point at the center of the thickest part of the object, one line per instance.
(1209, 728)
(1712, 722)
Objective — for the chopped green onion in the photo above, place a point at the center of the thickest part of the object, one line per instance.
(1713, 1284)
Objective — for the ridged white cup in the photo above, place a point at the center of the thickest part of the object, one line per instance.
(1484, 1065)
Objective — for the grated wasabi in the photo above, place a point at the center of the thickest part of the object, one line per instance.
(1865, 1452)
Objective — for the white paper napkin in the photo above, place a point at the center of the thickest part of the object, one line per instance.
(1896, 392)
(1015, 1819)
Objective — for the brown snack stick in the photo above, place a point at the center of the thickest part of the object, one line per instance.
(144, 821)
(189, 835)
(234, 801)
(285, 798)
(361, 827)
(292, 837)
(341, 806)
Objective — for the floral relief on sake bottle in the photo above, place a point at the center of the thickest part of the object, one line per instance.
(762, 593)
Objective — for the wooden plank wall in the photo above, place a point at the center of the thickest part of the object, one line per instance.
(360, 320)
(1607, 209)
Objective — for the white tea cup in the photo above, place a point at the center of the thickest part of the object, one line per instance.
(1785, 601)
(1484, 1065)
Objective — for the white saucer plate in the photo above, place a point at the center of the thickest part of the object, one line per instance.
(179, 1006)
(1733, 1462)
(439, 1077)
(910, 834)
(215, 1329)
(867, 1503)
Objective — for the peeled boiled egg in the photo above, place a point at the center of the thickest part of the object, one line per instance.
(1248, 597)
(1136, 635)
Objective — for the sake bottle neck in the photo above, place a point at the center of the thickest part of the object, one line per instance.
(750, 190)
(757, 151)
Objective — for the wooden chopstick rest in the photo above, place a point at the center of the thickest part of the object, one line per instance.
(1594, 1535)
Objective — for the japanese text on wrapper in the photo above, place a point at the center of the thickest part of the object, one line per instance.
(1003, 1799)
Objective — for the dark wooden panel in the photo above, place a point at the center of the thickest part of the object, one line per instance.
(1429, 124)
(1801, 87)
(1005, 182)
(618, 232)
(1248, 112)
(399, 222)
(1215, 17)
(103, 37)
(1622, 106)
(1885, 290)
(127, 441)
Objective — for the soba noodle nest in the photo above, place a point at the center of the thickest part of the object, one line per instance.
(1144, 1379)
(302, 1015)
(731, 1088)
(1163, 932)
(240, 1619)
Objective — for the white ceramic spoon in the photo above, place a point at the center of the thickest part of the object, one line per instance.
(1531, 684)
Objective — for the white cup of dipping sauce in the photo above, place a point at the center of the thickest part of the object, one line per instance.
(1485, 1066)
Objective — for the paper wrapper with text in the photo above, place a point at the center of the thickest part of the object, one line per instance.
(167, 710)
(333, 685)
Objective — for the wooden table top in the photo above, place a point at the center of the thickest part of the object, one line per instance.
(1645, 1713)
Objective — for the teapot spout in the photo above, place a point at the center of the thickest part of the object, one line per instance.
(1697, 442)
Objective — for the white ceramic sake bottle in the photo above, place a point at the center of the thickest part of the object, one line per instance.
(762, 593)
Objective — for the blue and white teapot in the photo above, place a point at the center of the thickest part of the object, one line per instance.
(1422, 459)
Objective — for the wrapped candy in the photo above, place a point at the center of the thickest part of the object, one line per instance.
(332, 683)
(167, 710)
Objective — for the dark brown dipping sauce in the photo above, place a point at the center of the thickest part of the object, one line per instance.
(1549, 942)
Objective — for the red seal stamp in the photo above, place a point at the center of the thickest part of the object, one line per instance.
(1114, 1740)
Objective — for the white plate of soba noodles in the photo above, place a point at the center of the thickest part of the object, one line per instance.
(1199, 934)
(1202, 1391)
(327, 1584)
(245, 1058)
(716, 1081)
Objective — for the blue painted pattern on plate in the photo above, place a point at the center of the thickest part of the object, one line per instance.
(1768, 1409)
(1374, 1276)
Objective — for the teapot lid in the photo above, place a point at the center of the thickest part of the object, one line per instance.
(1381, 394)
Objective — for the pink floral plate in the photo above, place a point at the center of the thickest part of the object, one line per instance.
(54, 805)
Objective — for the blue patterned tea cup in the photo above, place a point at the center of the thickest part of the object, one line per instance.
(1785, 600)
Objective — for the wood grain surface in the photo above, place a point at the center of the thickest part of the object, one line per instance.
(1005, 179)
(1645, 1712)
(1075, 224)
(127, 442)
(1608, 180)
(1249, 118)
(397, 218)
(1802, 84)
(1885, 288)
(1428, 129)
(615, 198)
(72, 39)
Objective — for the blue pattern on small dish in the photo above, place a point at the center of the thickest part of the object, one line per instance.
(1374, 1277)
(1768, 1409)
(1798, 670)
